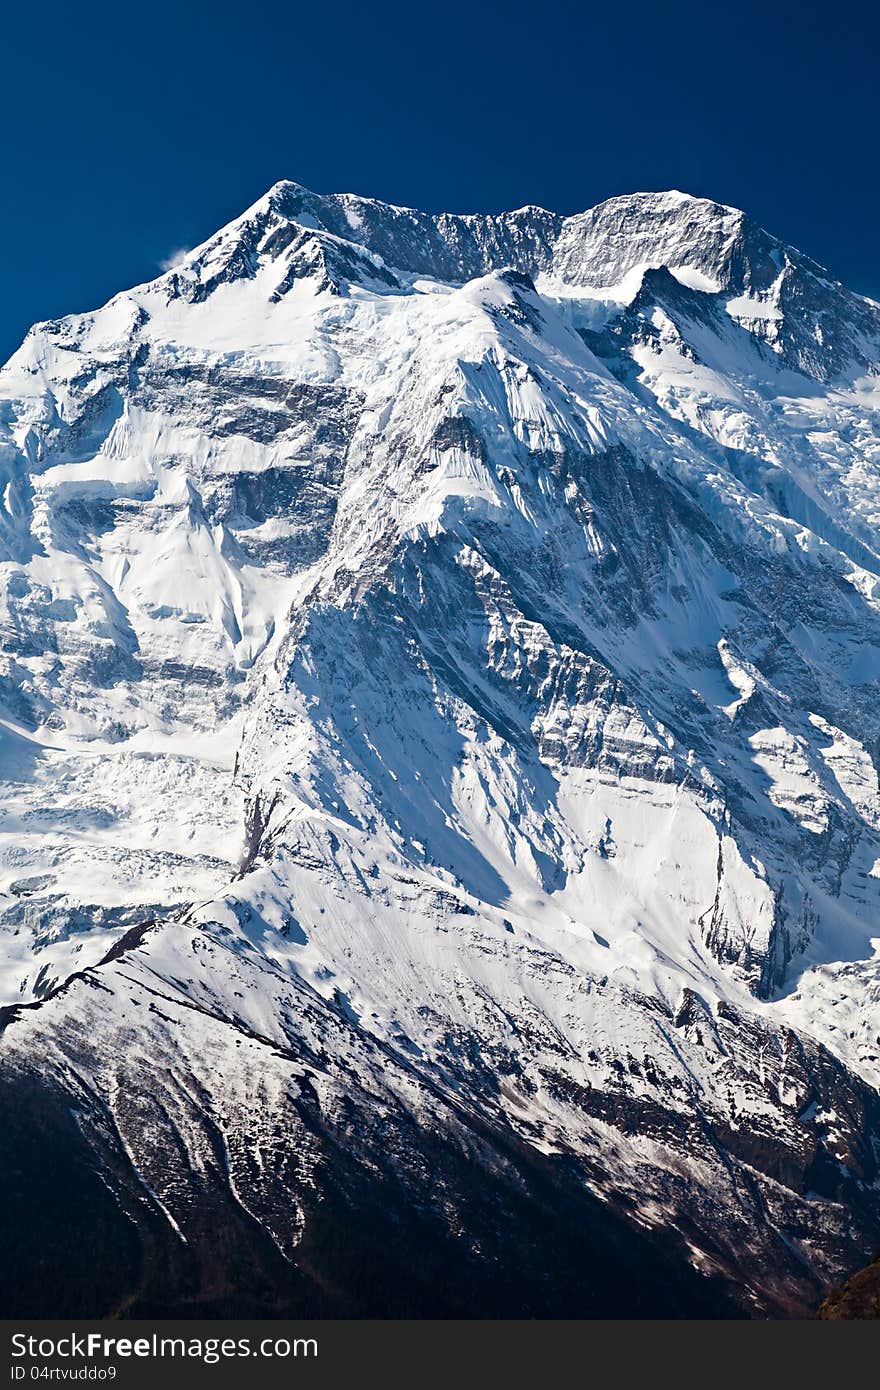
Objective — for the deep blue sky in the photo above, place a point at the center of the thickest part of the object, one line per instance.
(127, 132)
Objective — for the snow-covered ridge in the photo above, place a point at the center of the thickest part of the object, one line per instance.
(470, 625)
(707, 245)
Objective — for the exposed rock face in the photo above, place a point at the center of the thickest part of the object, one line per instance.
(459, 638)
(856, 1298)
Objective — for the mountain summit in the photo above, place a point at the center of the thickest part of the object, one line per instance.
(440, 826)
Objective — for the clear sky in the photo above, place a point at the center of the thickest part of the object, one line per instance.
(129, 131)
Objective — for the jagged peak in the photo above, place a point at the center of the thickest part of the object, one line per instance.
(281, 192)
(599, 247)
(668, 199)
(342, 239)
(665, 227)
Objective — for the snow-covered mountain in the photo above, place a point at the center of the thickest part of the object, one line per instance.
(440, 826)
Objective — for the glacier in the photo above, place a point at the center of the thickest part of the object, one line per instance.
(439, 769)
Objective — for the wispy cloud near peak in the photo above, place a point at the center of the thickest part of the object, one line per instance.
(174, 258)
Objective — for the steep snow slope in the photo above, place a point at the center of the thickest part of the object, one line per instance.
(467, 628)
